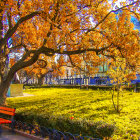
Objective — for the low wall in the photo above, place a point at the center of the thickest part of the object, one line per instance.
(16, 90)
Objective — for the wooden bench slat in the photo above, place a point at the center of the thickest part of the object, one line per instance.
(8, 109)
(7, 112)
(4, 121)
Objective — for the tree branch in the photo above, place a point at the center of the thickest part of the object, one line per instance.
(15, 47)
(73, 65)
(9, 18)
(92, 29)
(11, 31)
(79, 51)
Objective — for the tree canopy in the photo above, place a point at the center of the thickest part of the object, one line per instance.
(84, 30)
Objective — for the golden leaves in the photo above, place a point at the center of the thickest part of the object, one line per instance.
(63, 24)
(62, 49)
(12, 62)
(43, 71)
(120, 71)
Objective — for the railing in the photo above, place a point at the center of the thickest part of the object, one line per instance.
(51, 134)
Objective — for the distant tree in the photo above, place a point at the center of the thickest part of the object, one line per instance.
(121, 74)
(46, 66)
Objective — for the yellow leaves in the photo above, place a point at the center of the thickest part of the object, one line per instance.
(119, 71)
(12, 62)
(73, 7)
(76, 25)
(61, 60)
(62, 49)
(50, 44)
(65, 24)
(1, 3)
(28, 5)
(114, 1)
(43, 71)
(36, 70)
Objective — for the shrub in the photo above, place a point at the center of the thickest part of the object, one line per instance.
(105, 130)
(64, 124)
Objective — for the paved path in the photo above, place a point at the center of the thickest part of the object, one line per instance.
(24, 95)
(6, 135)
(13, 137)
(17, 135)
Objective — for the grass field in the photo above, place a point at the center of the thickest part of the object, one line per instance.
(81, 105)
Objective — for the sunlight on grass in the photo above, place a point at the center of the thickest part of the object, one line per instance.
(83, 104)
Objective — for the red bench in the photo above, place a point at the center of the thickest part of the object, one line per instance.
(7, 112)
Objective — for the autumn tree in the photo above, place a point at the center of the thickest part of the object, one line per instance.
(73, 28)
(120, 73)
(46, 66)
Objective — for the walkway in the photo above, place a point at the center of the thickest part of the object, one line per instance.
(13, 137)
(6, 135)
(24, 95)
(17, 135)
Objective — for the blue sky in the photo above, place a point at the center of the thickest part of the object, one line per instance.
(136, 23)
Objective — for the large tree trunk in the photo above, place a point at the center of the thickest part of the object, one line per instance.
(6, 78)
(3, 91)
(40, 79)
(4, 86)
(1, 27)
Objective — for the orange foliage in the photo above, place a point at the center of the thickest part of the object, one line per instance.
(84, 30)
(12, 62)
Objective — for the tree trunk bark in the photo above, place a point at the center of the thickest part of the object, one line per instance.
(40, 80)
(113, 100)
(3, 91)
(4, 86)
(118, 100)
(1, 26)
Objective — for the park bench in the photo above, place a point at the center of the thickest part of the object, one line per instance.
(7, 116)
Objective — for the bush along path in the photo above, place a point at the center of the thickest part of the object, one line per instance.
(98, 130)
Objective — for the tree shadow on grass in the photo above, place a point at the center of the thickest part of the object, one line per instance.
(100, 99)
(32, 102)
(93, 116)
(112, 111)
(102, 108)
(61, 123)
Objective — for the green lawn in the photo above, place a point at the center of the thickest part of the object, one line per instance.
(82, 105)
